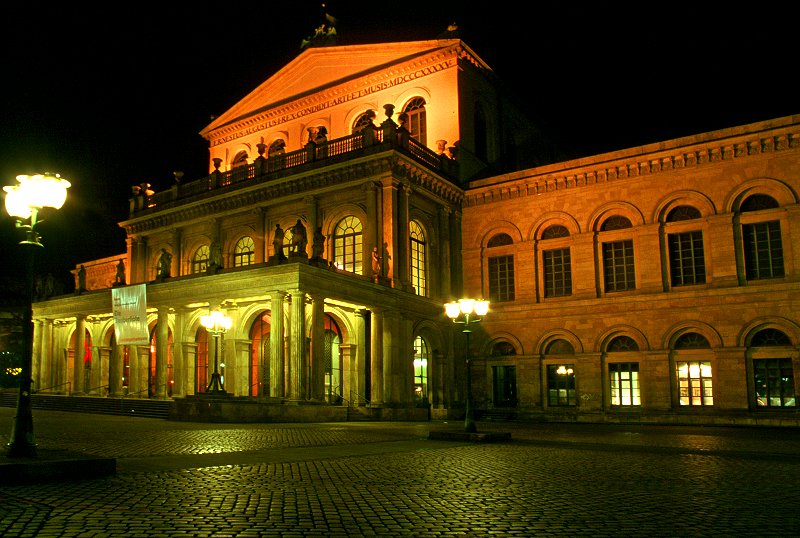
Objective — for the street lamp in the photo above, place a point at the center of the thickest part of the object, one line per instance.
(24, 201)
(216, 323)
(467, 308)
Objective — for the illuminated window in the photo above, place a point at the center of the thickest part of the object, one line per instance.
(347, 245)
(362, 121)
(278, 147)
(694, 383)
(200, 260)
(417, 122)
(239, 160)
(418, 258)
(624, 377)
(561, 385)
(421, 356)
(773, 375)
(244, 252)
(259, 355)
(622, 343)
(332, 361)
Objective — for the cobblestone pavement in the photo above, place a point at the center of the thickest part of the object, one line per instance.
(377, 479)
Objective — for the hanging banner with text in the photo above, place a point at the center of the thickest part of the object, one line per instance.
(130, 315)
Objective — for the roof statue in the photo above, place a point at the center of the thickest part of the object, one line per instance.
(324, 35)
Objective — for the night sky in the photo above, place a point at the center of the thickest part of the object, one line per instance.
(113, 98)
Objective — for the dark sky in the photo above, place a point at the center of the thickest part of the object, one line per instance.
(114, 97)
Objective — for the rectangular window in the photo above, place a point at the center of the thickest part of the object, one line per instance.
(774, 382)
(618, 266)
(505, 386)
(686, 258)
(501, 278)
(561, 385)
(624, 383)
(694, 383)
(763, 250)
(557, 273)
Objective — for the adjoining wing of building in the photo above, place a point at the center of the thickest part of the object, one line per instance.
(361, 187)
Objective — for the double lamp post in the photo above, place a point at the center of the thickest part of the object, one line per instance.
(467, 312)
(23, 202)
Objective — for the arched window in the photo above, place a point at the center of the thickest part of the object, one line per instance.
(363, 120)
(418, 258)
(687, 263)
(259, 356)
(417, 122)
(556, 263)
(559, 347)
(692, 341)
(244, 252)
(501, 269)
(503, 349)
(347, 245)
(332, 358)
(239, 160)
(761, 240)
(693, 370)
(421, 356)
(618, 262)
(278, 147)
(622, 343)
(773, 375)
(200, 260)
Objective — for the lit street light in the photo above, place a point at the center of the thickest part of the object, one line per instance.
(216, 323)
(24, 201)
(467, 308)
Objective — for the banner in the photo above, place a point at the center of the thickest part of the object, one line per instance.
(130, 315)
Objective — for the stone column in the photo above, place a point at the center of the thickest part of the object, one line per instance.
(77, 355)
(180, 366)
(115, 372)
(317, 380)
(372, 228)
(445, 265)
(296, 386)
(358, 367)
(376, 357)
(401, 265)
(276, 346)
(162, 351)
(389, 241)
(37, 367)
(47, 368)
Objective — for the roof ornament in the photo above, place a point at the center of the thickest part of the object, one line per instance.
(324, 35)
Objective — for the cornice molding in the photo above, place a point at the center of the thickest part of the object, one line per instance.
(653, 163)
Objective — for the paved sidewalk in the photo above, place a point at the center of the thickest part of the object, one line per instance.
(390, 479)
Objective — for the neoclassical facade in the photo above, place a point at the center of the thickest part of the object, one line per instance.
(361, 187)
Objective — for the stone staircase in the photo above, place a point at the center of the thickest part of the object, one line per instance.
(133, 407)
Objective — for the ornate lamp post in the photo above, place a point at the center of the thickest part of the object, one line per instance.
(467, 308)
(216, 323)
(24, 201)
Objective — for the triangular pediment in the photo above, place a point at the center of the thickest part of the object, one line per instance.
(318, 68)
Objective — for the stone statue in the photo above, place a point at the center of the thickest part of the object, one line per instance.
(81, 279)
(277, 242)
(376, 263)
(164, 264)
(119, 279)
(299, 239)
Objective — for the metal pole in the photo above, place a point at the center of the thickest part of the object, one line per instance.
(216, 384)
(23, 443)
(469, 416)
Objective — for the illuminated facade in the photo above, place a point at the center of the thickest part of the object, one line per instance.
(361, 187)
